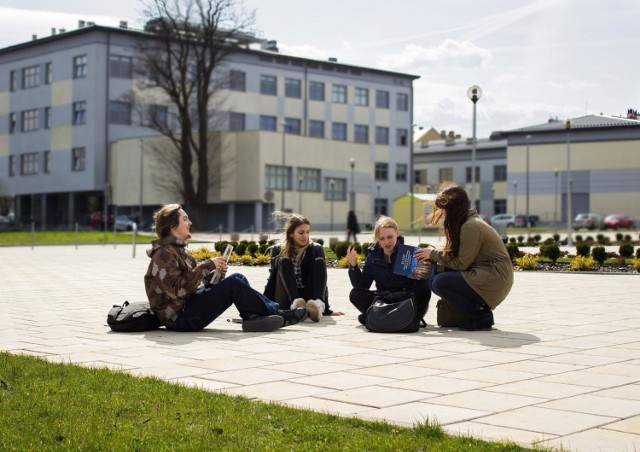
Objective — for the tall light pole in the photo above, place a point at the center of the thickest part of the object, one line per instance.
(528, 138)
(515, 197)
(474, 93)
(300, 181)
(555, 207)
(352, 195)
(284, 168)
(567, 126)
(411, 175)
(332, 184)
(376, 208)
(141, 182)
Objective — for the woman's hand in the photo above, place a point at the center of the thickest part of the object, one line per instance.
(337, 313)
(352, 256)
(221, 264)
(423, 254)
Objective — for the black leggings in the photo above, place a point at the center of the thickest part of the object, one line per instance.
(287, 288)
(363, 298)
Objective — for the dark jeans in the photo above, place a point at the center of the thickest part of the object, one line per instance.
(363, 298)
(287, 288)
(207, 304)
(452, 286)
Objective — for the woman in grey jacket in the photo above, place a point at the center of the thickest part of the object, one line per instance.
(479, 272)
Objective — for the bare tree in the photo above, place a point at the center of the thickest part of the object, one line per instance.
(183, 57)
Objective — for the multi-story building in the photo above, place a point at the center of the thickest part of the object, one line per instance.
(319, 137)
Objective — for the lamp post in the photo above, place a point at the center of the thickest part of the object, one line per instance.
(474, 93)
(567, 126)
(377, 204)
(555, 202)
(141, 182)
(300, 181)
(528, 138)
(332, 184)
(284, 168)
(515, 197)
(352, 195)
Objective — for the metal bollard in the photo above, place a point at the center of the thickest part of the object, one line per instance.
(134, 230)
(76, 235)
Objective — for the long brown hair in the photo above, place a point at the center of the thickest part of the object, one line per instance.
(288, 247)
(166, 218)
(453, 203)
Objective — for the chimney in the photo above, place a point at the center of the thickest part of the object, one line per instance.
(124, 24)
(333, 59)
(81, 24)
(53, 32)
(34, 37)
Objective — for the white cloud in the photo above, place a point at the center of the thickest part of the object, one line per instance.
(449, 53)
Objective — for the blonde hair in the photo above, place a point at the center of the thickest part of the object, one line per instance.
(288, 247)
(166, 218)
(383, 222)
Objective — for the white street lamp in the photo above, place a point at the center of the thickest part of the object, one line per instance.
(528, 138)
(352, 164)
(567, 126)
(555, 207)
(300, 181)
(284, 168)
(332, 184)
(515, 197)
(474, 93)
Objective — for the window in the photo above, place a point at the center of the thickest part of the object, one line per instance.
(268, 123)
(500, 173)
(30, 120)
(316, 128)
(402, 102)
(499, 206)
(339, 131)
(310, 179)
(339, 94)
(401, 172)
(382, 99)
(316, 91)
(48, 73)
(78, 156)
(382, 135)
(335, 189)
(268, 85)
(361, 97)
(445, 174)
(79, 113)
(361, 133)
(292, 126)
(292, 87)
(402, 137)
(238, 81)
(46, 157)
(420, 177)
(30, 77)
(468, 174)
(237, 121)
(12, 122)
(120, 66)
(278, 177)
(382, 171)
(13, 81)
(381, 206)
(119, 112)
(80, 66)
(12, 165)
(47, 117)
(29, 164)
(155, 116)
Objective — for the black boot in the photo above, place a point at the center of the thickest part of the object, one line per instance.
(262, 323)
(482, 319)
(293, 316)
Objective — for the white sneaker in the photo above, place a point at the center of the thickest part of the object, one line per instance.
(315, 308)
(298, 303)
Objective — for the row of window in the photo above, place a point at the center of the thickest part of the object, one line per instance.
(499, 174)
(30, 162)
(317, 91)
(30, 76)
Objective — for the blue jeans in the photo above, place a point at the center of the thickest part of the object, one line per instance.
(452, 286)
(207, 304)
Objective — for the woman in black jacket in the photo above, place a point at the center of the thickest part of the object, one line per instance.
(298, 273)
(378, 267)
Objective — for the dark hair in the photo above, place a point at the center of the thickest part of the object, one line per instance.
(166, 218)
(288, 247)
(453, 203)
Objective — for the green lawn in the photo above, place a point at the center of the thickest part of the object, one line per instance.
(25, 238)
(47, 406)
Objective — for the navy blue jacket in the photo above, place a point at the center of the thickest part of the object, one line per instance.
(377, 269)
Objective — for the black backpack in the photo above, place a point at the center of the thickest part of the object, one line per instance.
(132, 317)
(395, 313)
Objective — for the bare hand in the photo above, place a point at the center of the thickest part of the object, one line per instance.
(221, 264)
(423, 254)
(337, 313)
(352, 256)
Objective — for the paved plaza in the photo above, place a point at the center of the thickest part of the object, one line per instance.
(560, 368)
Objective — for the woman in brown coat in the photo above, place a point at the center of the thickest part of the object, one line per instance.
(479, 272)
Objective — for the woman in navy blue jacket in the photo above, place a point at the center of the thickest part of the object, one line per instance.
(378, 267)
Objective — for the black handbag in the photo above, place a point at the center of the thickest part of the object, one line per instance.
(394, 313)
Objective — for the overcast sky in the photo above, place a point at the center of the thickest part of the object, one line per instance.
(533, 59)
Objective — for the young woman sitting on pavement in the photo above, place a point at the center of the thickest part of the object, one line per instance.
(298, 273)
(378, 267)
(479, 272)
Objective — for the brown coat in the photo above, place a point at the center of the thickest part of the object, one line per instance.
(483, 260)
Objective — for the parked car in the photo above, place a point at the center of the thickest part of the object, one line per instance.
(588, 221)
(123, 223)
(618, 221)
(507, 219)
(486, 219)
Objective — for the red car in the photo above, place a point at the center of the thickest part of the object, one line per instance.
(618, 221)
